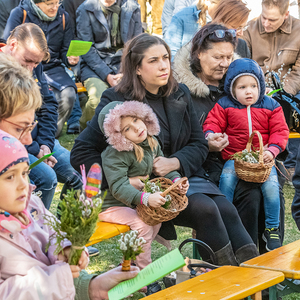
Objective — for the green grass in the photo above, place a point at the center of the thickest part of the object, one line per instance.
(110, 256)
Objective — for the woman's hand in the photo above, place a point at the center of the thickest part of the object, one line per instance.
(183, 187)
(217, 141)
(267, 156)
(113, 80)
(137, 182)
(156, 200)
(50, 161)
(163, 165)
(100, 285)
(73, 60)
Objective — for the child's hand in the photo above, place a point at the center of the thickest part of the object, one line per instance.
(83, 261)
(75, 271)
(156, 200)
(82, 264)
(267, 156)
(183, 187)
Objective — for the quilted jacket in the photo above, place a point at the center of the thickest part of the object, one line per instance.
(239, 121)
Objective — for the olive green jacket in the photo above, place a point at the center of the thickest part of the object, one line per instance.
(119, 166)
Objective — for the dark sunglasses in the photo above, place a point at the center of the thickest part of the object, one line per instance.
(220, 33)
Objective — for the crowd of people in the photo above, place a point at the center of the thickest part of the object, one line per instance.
(177, 103)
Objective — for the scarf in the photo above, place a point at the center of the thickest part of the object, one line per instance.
(40, 13)
(14, 223)
(115, 10)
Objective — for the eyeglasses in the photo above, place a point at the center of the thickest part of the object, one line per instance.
(26, 129)
(242, 28)
(220, 33)
(53, 5)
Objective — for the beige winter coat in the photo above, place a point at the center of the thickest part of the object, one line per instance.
(275, 48)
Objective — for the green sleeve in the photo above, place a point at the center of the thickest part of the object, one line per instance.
(115, 166)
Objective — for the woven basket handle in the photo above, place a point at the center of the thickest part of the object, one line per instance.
(170, 188)
(261, 146)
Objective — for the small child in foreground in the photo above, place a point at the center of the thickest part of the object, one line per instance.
(26, 270)
(246, 108)
(130, 127)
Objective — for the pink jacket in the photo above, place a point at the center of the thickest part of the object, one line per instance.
(26, 271)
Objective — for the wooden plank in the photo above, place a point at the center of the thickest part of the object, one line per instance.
(256, 296)
(294, 135)
(105, 231)
(224, 283)
(285, 259)
(80, 87)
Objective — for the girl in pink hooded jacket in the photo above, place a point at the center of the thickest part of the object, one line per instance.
(26, 270)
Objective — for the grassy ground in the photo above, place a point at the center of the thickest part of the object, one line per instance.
(110, 256)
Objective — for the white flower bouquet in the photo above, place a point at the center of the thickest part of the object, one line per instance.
(131, 246)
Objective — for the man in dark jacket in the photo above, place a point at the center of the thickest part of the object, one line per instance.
(58, 32)
(5, 8)
(70, 7)
(56, 167)
(109, 24)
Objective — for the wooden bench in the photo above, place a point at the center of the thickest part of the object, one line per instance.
(80, 87)
(294, 135)
(226, 282)
(285, 259)
(106, 231)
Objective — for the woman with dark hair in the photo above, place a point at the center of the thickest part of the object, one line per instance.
(148, 78)
(202, 65)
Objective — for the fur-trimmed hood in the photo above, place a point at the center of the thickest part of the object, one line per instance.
(183, 73)
(109, 121)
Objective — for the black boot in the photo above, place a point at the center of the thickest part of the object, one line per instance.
(246, 252)
(225, 256)
(153, 288)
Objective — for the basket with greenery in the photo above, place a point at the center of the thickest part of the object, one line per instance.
(249, 165)
(177, 202)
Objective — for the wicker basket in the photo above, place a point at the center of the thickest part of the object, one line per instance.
(155, 215)
(252, 172)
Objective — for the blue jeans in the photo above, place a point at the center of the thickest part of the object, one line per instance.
(270, 191)
(45, 178)
(75, 114)
(76, 111)
(292, 146)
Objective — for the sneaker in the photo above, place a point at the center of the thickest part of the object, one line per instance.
(272, 238)
(73, 129)
(93, 251)
(153, 288)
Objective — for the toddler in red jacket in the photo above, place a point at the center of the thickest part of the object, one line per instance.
(246, 108)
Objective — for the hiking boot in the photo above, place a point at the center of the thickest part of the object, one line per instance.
(272, 238)
(153, 288)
